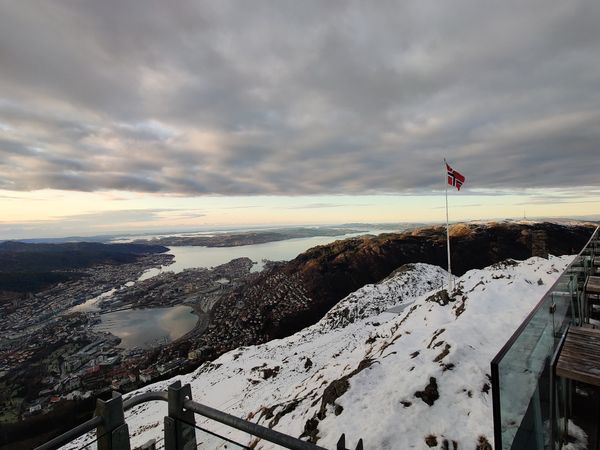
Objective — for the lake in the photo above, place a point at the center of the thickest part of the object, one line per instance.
(147, 327)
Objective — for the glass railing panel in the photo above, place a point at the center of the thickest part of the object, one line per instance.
(560, 413)
(525, 364)
(522, 369)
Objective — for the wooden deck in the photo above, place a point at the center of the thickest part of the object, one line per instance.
(592, 285)
(592, 296)
(579, 358)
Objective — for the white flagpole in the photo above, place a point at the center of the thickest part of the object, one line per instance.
(447, 229)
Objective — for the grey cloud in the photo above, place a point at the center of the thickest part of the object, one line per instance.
(9, 147)
(291, 99)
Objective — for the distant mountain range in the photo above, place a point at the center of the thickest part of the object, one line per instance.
(289, 231)
(235, 239)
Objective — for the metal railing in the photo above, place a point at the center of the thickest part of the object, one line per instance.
(179, 425)
(522, 384)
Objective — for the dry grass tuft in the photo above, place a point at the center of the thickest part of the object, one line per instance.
(460, 229)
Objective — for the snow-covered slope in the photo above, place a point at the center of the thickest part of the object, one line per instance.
(415, 379)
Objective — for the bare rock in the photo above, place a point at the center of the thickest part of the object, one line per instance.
(483, 444)
(431, 441)
(430, 394)
(308, 364)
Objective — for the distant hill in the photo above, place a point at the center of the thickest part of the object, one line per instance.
(27, 267)
(20, 256)
(237, 239)
(61, 240)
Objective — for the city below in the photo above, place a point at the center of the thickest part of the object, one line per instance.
(53, 349)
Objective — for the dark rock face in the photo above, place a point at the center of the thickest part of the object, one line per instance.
(270, 372)
(311, 430)
(483, 444)
(332, 392)
(441, 298)
(430, 394)
(308, 364)
(331, 272)
(337, 388)
(431, 441)
(538, 244)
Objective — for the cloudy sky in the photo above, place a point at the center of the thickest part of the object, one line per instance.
(121, 115)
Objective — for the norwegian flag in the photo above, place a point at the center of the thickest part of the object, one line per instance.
(454, 178)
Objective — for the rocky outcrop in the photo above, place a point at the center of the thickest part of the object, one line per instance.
(430, 394)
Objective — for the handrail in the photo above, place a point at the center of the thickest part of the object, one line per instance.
(96, 421)
(249, 427)
(254, 429)
(145, 397)
(71, 434)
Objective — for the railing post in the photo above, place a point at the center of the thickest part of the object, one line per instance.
(113, 434)
(341, 443)
(180, 432)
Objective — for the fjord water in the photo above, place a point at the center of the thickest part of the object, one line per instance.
(195, 256)
(147, 327)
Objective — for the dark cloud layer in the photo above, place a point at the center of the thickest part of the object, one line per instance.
(297, 97)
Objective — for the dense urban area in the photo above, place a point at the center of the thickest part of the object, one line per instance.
(51, 351)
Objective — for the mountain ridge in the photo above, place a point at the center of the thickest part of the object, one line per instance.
(293, 295)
